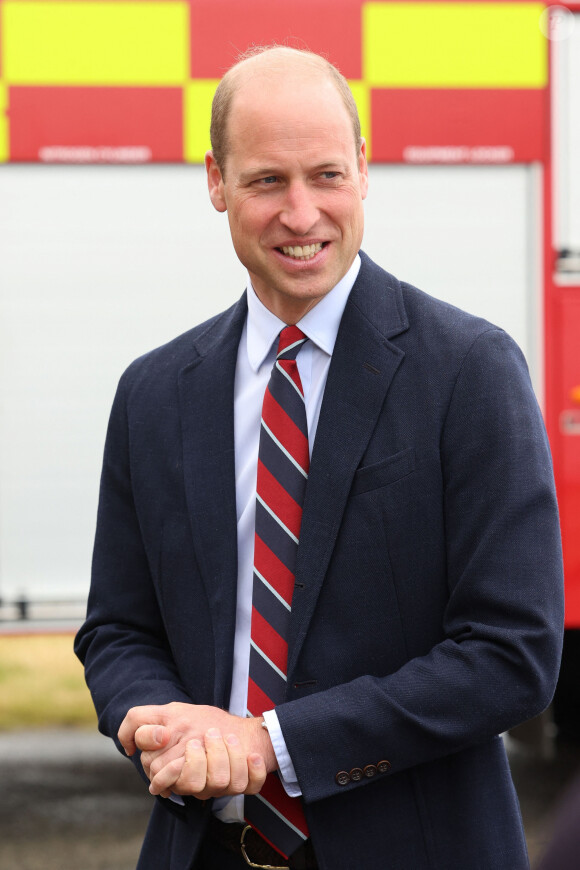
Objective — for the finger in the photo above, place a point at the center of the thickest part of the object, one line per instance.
(193, 775)
(256, 773)
(218, 762)
(165, 779)
(150, 738)
(155, 761)
(137, 716)
(238, 765)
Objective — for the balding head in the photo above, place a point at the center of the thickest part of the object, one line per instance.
(273, 62)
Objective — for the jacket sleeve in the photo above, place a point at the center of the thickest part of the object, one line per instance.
(123, 643)
(497, 661)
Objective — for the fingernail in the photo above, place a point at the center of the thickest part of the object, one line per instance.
(213, 732)
(232, 739)
(194, 744)
(158, 734)
(256, 760)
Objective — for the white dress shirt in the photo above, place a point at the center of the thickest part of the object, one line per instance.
(256, 355)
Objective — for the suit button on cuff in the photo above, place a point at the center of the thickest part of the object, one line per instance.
(342, 778)
(356, 774)
(370, 770)
(383, 766)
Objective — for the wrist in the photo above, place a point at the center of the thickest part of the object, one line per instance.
(264, 744)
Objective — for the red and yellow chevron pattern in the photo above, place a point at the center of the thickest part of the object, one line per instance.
(132, 80)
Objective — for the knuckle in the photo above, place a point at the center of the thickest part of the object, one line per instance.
(155, 767)
(219, 781)
(239, 784)
(175, 767)
(192, 784)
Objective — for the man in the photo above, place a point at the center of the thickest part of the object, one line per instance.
(425, 608)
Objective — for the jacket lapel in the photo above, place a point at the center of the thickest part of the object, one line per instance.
(363, 365)
(206, 395)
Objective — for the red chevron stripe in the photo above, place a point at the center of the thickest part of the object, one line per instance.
(280, 501)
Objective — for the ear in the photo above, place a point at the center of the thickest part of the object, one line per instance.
(215, 183)
(363, 168)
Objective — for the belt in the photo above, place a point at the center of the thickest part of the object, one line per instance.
(245, 841)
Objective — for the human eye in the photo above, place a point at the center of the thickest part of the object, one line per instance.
(330, 176)
(267, 180)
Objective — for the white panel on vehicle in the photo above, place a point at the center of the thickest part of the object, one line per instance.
(566, 135)
(100, 264)
(466, 234)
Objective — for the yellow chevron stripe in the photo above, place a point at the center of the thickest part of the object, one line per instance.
(481, 45)
(197, 116)
(361, 94)
(96, 43)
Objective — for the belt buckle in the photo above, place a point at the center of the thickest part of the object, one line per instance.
(251, 863)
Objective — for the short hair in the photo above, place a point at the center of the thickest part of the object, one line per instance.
(231, 82)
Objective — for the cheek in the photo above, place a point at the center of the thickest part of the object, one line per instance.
(347, 211)
(252, 221)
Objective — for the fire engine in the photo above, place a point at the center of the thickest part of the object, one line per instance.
(471, 112)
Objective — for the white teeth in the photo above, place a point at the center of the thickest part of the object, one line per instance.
(302, 252)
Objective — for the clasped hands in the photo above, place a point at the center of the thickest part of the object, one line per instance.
(193, 749)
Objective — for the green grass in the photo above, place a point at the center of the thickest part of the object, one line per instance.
(42, 684)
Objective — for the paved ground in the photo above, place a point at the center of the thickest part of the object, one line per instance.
(68, 801)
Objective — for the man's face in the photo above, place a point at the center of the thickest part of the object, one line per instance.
(293, 188)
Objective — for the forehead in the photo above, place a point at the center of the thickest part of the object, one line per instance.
(289, 115)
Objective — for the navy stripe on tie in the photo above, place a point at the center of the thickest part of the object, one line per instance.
(285, 472)
(268, 679)
(290, 400)
(270, 607)
(279, 830)
(275, 537)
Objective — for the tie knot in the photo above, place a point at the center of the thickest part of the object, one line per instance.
(291, 340)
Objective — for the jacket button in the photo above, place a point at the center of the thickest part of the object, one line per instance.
(342, 778)
(383, 766)
(370, 770)
(356, 774)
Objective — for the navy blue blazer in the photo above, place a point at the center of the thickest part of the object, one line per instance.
(427, 614)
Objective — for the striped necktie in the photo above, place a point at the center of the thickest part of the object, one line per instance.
(283, 461)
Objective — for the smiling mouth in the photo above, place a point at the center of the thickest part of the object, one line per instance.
(302, 252)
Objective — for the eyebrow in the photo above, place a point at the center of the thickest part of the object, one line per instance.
(266, 171)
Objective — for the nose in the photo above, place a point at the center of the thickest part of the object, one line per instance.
(299, 211)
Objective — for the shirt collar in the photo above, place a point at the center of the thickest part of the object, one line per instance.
(320, 324)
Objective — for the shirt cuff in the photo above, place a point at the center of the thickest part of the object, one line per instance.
(285, 767)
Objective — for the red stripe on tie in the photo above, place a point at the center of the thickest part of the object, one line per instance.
(291, 808)
(285, 430)
(258, 701)
(271, 644)
(278, 500)
(289, 335)
(291, 369)
(273, 570)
